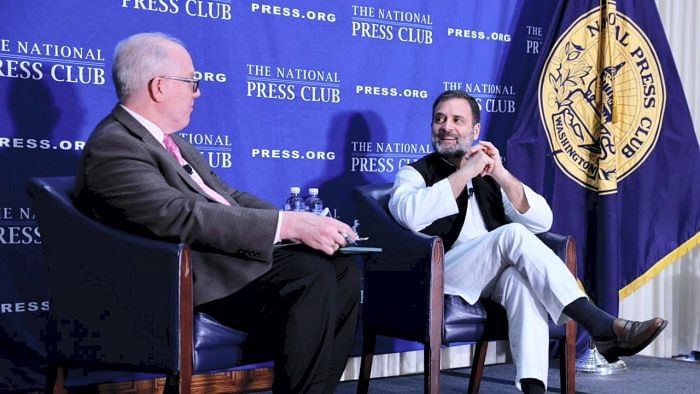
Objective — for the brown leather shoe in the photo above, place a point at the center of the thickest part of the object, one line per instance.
(632, 337)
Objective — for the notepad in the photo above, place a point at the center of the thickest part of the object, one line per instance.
(359, 250)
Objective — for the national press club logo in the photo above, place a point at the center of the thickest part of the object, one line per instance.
(602, 120)
(204, 9)
(18, 228)
(491, 97)
(385, 156)
(390, 24)
(57, 61)
(289, 83)
(216, 148)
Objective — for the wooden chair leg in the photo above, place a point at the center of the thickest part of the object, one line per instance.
(431, 367)
(172, 384)
(178, 384)
(369, 340)
(185, 382)
(55, 379)
(567, 360)
(563, 378)
(477, 366)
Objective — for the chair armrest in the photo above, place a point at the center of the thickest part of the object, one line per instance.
(406, 279)
(564, 246)
(115, 296)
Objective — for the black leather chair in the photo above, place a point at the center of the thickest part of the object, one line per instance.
(414, 306)
(122, 302)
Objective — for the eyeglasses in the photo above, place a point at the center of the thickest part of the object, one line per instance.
(193, 81)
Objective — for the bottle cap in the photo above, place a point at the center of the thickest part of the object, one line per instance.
(313, 191)
(295, 189)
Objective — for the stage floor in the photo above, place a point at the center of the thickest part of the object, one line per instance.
(644, 375)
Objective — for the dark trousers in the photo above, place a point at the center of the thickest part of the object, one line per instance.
(303, 313)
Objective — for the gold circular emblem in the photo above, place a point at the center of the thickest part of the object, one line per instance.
(602, 99)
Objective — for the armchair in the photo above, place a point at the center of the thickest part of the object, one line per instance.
(415, 307)
(121, 302)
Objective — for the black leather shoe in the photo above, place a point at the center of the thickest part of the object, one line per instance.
(632, 337)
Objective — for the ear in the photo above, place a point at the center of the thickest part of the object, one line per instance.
(155, 90)
(477, 130)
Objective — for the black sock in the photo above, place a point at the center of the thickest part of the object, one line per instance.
(596, 321)
(532, 386)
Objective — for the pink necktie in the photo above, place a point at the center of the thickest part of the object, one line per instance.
(172, 148)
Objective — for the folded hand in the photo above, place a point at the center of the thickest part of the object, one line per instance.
(318, 232)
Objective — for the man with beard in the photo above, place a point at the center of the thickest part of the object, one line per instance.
(487, 219)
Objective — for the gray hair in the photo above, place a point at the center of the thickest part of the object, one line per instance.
(138, 59)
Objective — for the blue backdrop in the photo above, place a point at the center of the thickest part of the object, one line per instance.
(308, 93)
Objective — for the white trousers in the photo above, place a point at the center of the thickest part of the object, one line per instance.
(514, 268)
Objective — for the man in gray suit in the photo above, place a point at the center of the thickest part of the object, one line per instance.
(136, 174)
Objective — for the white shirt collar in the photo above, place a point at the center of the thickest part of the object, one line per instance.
(155, 131)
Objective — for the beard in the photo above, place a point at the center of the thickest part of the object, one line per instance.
(442, 145)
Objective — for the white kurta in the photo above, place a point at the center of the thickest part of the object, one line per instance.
(509, 264)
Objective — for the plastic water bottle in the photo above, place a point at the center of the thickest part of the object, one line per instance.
(313, 202)
(294, 202)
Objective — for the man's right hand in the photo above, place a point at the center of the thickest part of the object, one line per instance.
(318, 232)
(477, 162)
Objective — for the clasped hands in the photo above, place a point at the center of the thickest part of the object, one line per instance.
(482, 159)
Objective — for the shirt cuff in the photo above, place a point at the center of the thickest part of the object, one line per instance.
(279, 227)
(538, 218)
(538, 206)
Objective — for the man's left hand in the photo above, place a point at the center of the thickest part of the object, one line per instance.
(496, 169)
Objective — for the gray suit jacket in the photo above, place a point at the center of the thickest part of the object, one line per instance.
(129, 181)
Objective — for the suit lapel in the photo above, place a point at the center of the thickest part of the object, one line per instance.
(192, 156)
(137, 129)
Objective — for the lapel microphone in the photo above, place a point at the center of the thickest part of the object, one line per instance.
(188, 168)
(468, 191)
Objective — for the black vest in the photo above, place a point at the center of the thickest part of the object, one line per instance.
(486, 191)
